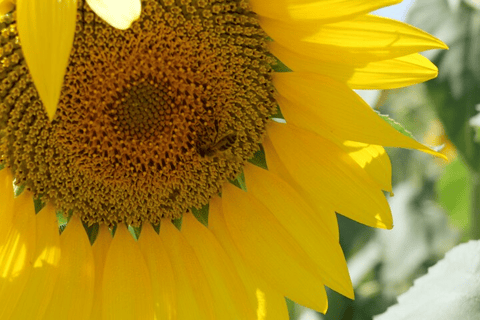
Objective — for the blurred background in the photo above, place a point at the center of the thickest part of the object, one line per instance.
(435, 204)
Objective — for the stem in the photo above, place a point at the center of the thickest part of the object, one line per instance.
(475, 231)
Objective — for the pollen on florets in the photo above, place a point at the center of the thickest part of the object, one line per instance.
(151, 121)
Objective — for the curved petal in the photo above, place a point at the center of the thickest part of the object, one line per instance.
(363, 39)
(321, 104)
(298, 219)
(314, 10)
(384, 74)
(126, 291)
(46, 29)
(325, 173)
(268, 247)
(119, 14)
(72, 297)
(270, 303)
(100, 249)
(161, 273)
(228, 291)
(17, 246)
(194, 298)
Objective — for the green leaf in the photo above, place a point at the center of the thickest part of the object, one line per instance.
(397, 126)
(454, 190)
(450, 290)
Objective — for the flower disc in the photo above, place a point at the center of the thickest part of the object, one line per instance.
(151, 120)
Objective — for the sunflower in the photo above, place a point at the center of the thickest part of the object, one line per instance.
(199, 149)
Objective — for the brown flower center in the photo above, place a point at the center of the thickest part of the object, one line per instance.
(151, 121)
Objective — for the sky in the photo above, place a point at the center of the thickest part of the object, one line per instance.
(397, 12)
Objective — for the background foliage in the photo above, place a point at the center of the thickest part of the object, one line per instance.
(436, 204)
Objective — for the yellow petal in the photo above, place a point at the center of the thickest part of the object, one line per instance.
(270, 304)
(321, 11)
(38, 291)
(118, 13)
(395, 73)
(321, 104)
(161, 273)
(6, 203)
(72, 297)
(6, 6)
(325, 173)
(383, 74)
(268, 247)
(299, 220)
(127, 290)
(363, 39)
(276, 166)
(17, 246)
(46, 29)
(100, 249)
(228, 291)
(374, 160)
(194, 298)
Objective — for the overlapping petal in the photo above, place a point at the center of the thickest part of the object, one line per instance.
(320, 167)
(72, 297)
(17, 246)
(326, 106)
(268, 247)
(126, 287)
(161, 274)
(194, 296)
(270, 304)
(357, 41)
(228, 291)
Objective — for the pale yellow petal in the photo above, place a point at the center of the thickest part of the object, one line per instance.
(194, 298)
(325, 173)
(269, 248)
(6, 6)
(17, 246)
(319, 11)
(119, 14)
(228, 291)
(384, 74)
(38, 291)
(270, 304)
(321, 104)
(100, 249)
(363, 39)
(161, 274)
(298, 219)
(72, 297)
(46, 29)
(127, 290)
